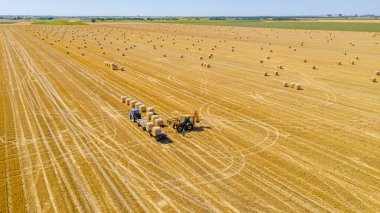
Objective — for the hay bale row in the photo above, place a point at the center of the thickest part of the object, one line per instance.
(137, 105)
(206, 65)
(292, 85)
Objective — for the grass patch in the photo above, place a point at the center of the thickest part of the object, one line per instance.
(300, 25)
(7, 22)
(59, 22)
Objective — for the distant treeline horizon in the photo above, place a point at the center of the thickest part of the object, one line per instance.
(51, 17)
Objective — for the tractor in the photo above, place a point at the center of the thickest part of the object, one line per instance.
(185, 121)
(135, 115)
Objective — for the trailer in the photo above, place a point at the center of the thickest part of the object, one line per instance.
(142, 123)
(152, 130)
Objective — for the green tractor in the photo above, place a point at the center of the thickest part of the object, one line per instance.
(186, 121)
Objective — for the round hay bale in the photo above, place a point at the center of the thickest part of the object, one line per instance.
(292, 85)
(159, 122)
(208, 66)
(123, 99)
(285, 84)
(352, 62)
(156, 131)
(181, 56)
(154, 117)
(266, 74)
(142, 108)
(298, 87)
(268, 57)
(149, 114)
(304, 60)
(122, 69)
(149, 126)
(150, 109)
(201, 58)
(67, 52)
(339, 63)
(128, 101)
(82, 54)
(314, 67)
(261, 61)
(357, 57)
(276, 73)
(280, 67)
(133, 103)
(137, 105)
(374, 80)
(377, 73)
(164, 55)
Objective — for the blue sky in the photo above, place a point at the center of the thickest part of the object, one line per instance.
(188, 7)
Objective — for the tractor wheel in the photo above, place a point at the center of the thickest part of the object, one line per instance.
(175, 126)
(179, 128)
(190, 127)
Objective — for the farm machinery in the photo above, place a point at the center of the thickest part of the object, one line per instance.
(135, 115)
(153, 130)
(185, 121)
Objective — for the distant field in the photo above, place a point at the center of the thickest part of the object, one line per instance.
(7, 22)
(302, 25)
(59, 22)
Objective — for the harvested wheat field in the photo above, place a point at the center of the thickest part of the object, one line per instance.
(283, 125)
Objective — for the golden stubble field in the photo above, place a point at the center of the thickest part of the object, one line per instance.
(67, 143)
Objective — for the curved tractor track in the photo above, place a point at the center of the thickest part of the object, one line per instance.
(67, 144)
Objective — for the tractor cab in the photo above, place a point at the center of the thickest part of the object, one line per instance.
(135, 115)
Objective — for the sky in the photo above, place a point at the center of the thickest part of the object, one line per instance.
(188, 7)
